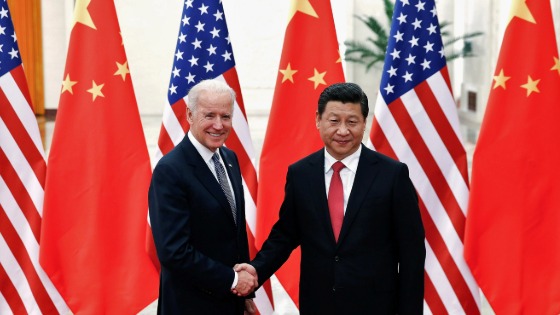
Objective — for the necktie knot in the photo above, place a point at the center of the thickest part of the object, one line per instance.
(216, 158)
(337, 166)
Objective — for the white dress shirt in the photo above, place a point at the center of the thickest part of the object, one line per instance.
(347, 174)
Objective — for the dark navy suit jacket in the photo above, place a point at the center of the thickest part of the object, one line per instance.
(377, 265)
(196, 238)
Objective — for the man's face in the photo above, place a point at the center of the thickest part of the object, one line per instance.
(212, 119)
(342, 128)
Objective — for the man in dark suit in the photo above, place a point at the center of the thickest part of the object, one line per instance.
(197, 213)
(358, 223)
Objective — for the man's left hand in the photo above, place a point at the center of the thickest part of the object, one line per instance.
(250, 307)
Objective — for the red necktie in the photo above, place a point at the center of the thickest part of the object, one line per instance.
(336, 199)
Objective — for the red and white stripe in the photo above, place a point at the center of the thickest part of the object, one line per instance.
(421, 129)
(173, 129)
(24, 287)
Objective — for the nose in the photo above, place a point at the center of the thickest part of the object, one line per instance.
(342, 130)
(218, 124)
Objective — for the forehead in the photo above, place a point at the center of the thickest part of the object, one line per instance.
(210, 101)
(339, 108)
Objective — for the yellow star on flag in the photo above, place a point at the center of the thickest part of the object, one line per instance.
(531, 86)
(302, 6)
(500, 80)
(519, 9)
(556, 65)
(96, 90)
(81, 14)
(318, 78)
(122, 70)
(67, 84)
(288, 73)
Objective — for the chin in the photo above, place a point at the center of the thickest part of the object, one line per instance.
(217, 144)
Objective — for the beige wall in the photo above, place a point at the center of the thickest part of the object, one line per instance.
(257, 28)
(150, 28)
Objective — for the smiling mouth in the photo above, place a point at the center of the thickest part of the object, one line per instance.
(215, 134)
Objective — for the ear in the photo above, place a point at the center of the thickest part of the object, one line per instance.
(189, 116)
(317, 119)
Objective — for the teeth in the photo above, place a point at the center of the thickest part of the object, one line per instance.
(215, 134)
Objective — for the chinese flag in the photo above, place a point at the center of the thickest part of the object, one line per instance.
(310, 61)
(512, 241)
(98, 172)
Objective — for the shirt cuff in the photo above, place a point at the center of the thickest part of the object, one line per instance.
(234, 280)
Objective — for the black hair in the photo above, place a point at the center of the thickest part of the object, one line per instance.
(345, 93)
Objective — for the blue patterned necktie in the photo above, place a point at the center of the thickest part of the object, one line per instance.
(222, 179)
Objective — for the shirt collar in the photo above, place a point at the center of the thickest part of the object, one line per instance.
(204, 152)
(351, 161)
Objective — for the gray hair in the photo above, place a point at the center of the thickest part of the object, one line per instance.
(213, 86)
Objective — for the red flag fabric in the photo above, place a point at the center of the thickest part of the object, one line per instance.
(512, 239)
(310, 61)
(191, 64)
(93, 232)
(24, 286)
(416, 122)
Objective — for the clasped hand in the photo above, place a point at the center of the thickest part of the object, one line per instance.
(247, 280)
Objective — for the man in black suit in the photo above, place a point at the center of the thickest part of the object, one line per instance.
(197, 213)
(358, 223)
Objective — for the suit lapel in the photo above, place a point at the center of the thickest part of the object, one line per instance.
(365, 175)
(204, 175)
(317, 190)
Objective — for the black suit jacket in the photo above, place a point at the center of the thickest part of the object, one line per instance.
(377, 266)
(196, 239)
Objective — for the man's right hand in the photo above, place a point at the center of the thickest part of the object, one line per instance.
(246, 282)
(247, 267)
(247, 279)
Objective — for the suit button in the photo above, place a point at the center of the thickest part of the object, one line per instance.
(336, 258)
(334, 289)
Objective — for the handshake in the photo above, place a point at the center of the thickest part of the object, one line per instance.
(247, 280)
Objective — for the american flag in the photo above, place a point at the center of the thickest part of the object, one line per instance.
(24, 287)
(416, 122)
(204, 51)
